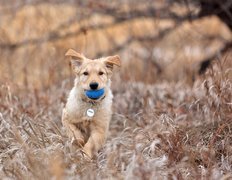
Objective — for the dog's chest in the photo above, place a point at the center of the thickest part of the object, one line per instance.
(87, 112)
(80, 111)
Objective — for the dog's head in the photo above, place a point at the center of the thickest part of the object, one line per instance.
(92, 74)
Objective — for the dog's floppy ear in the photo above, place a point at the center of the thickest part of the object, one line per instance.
(110, 61)
(76, 58)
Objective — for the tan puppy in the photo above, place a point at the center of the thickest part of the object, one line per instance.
(87, 120)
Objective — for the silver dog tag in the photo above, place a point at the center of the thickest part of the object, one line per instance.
(90, 112)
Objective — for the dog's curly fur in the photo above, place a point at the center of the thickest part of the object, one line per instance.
(89, 132)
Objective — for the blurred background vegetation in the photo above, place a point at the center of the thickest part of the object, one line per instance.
(172, 95)
(171, 40)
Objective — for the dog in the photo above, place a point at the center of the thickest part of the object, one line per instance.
(86, 118)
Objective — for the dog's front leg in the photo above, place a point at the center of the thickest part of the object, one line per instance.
(73, 133)
(95, 141)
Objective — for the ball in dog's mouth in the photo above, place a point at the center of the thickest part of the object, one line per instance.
(94, 94)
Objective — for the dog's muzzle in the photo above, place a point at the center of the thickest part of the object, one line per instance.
(95, 94)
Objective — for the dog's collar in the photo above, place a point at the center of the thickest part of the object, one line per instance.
(93, 106)
(93, 102)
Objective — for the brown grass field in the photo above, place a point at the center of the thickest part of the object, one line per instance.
(159, 131)
(162, 127)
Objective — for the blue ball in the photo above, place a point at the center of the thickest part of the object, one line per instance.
(94, 94)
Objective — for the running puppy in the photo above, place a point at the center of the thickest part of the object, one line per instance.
(88, 112)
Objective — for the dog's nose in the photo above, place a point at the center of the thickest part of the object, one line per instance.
(93, 85)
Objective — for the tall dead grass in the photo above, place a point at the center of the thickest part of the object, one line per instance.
(158, 131)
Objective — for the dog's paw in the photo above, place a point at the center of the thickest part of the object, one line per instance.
(87, 153)
(86, 156)
(79, 142)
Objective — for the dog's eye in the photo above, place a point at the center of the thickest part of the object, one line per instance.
(86, 73)
(100, 73)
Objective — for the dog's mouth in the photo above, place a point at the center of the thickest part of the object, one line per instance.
(94, 94)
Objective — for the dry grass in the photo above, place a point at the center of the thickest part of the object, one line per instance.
(160, 131)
